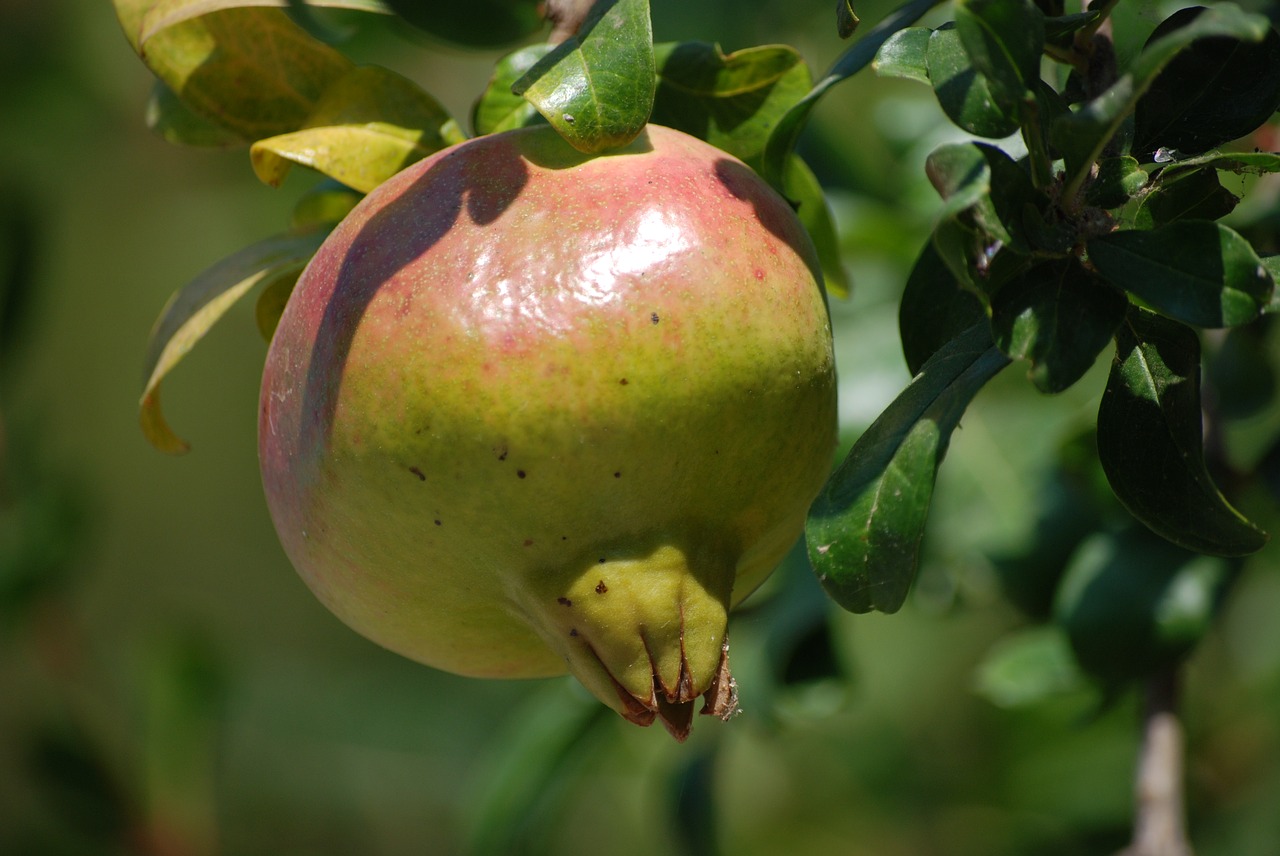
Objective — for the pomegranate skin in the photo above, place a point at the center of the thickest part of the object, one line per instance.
(529, 410)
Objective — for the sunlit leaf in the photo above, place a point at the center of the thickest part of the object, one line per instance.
(732, 101)
(1195, 271)
(596, 88)
(1241, 162)
(785, 135)
(1214, 91)
(903, 55)
(498, 108)
(963, 93)
(196, 307)
(168, 13)
(251, 70)
(1151, 441)
(366, 127)
(865, 528)
(1004, 40)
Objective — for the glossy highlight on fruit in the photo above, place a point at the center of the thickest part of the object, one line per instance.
(529, 410)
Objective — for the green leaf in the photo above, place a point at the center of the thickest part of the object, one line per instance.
(473, 23)
(499, 109)
(903, 55)
(1005, 41)
(1060, 30)
(1151, 442)
(1118, 180)
(252, 71)
(1241, 372)
(1027, 666)
(785, 135)
(1194, 271)
(1214, 91)
(865, 528)
(168, 13)
(934, 309)
(325, 204)
(367, 126)
(1197, 195)
(596, 88)
(1255, 163)
(802, 188)
(1133, 605)
(1082, 136)
(1059, 316)
(731, 101)
(175, 122)
(964, 94)
(984, 183)
(197, 306)
(847, 20)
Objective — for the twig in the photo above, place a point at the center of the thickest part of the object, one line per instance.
(1160, 827)
(566, 17)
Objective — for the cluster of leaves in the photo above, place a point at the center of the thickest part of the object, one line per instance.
(1100, 232)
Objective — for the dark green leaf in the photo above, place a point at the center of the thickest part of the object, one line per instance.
(473, 23)
(1132, 604)
(1239, 162)
(785, 135)
(1060, 30)
(596, 88)
(983, 183)
(976, 261)
(1214, 91)
(847, 20)
(865, 528)
(964, 94)
(1082, 136)
(21, 243)
(252, 71)
(326, 203)
(1004, 40)
(365, 128)
(499, 109)
(197, 306)
(802, 188)
(1059, 316)
(693, 792)
(1117, 181)
(1151, 445)
(73, 777)
(1027, 666)
(934, 309)
(730, 101)
(1195, 271)
(903, 55)
(1197, 195)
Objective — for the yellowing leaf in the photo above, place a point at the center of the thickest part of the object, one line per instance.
(167, 13)
(367, 126)
(197, 306)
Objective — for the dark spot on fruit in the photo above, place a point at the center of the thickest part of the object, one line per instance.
(653, 317)
(601, 588)
(417, 472)
(564, 601)
(617, 475)
(573, 631)
(437, 522)
(528, 542)
(501, 452)
(520, 473)
(564, 537)
(623, 381)
(602, 560)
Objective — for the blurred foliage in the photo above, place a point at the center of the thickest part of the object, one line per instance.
(170, 687)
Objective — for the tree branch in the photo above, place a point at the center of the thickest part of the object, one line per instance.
(1160, 827)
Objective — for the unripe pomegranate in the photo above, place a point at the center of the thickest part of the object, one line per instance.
(529, 408)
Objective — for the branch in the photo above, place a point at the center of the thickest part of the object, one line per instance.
(566, 17)
(1160, 827)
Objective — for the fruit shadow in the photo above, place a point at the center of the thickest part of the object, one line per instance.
(407, 227)
(744, 183)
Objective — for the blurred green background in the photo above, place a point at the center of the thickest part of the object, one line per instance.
(169, 686)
